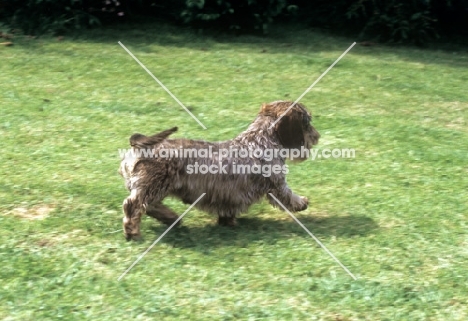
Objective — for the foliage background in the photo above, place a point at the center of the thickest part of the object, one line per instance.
(410, 21)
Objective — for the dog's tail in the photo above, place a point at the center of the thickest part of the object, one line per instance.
(141, 141)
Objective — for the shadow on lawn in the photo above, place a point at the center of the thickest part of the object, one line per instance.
(251, 229)
(293, 38)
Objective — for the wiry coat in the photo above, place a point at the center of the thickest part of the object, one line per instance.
(150, 180)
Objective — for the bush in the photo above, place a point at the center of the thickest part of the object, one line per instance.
(451, 15)
(415, 21)
(234, 14)
(40, 16)
(394, 20)
(386, 20)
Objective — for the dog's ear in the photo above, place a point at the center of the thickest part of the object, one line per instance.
(142, 141)
(290, 129)
(293, 123)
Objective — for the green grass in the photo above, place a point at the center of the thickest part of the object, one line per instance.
(396, 215)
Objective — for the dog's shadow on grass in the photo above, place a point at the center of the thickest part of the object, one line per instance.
(269, 231)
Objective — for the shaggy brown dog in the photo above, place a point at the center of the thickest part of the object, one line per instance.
(234, 182)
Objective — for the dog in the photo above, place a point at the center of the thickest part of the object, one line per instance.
(230, 189)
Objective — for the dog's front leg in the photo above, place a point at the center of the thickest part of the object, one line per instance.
(132, 216)
(291, 201)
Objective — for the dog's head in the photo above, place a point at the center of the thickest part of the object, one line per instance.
(292, 125)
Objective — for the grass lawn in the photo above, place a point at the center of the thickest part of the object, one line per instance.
(396, 215)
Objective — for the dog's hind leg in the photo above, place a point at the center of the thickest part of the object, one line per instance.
(227, 214)
(133, 209)
(162, 213)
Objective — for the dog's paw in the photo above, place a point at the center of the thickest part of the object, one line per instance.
(302, 204)
(133, 237)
